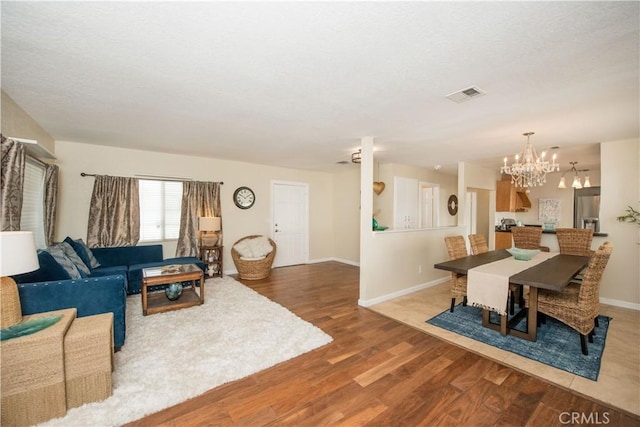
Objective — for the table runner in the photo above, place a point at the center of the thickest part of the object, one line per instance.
(488, 284)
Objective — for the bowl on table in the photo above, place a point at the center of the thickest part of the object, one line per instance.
(523, 254)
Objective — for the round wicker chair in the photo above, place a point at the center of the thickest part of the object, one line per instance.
(253, 269)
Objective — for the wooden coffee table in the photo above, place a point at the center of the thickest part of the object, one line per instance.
(157, 302)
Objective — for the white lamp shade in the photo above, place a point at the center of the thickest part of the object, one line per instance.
(18, 251)
(587, 183)
(209, 223)
(562, 183)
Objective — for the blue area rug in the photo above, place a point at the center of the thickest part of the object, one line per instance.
(557, 345)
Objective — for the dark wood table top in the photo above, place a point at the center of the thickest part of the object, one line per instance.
(462, 265)
(554, 273)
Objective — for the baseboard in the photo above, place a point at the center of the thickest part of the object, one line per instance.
(403, 292)
(622, 304)
(341, 260)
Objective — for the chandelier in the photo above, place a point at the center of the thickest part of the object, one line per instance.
(577, 182)
(529, 169)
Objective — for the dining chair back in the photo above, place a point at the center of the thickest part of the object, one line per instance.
(478, 244)
(578, 305)
(528, 238)
(457, 248)
(575, 241)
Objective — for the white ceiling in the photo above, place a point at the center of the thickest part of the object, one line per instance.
(298, 84)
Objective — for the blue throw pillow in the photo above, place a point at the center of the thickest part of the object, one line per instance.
(84, 252)
(49, 271)
(58, 254)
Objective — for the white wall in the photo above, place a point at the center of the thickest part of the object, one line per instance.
(18, 123)
(620, 183)
(346, 215)
(75, 192)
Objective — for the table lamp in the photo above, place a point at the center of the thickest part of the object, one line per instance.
(18, 255)
(209, 225)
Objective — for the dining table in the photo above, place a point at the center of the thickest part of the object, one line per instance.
(554, 274)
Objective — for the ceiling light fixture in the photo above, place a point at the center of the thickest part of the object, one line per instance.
(357, 156)
(577, 183)
(529, 169)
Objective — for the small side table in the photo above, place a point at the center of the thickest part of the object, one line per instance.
(212, 256)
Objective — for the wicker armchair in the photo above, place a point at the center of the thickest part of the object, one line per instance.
(251, 269)
(575, 241)
(528, 238)
(578, 305)
(456, 248)
(32, 385)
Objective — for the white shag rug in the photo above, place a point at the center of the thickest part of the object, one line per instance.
(171, 357)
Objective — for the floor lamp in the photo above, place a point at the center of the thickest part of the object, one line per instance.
(18, 255)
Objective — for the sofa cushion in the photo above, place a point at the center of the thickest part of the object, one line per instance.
(75, 259)
(49, 270)
(128, 255)
(84, 252)
(58, 254)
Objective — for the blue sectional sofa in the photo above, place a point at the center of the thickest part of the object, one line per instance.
(103, 290)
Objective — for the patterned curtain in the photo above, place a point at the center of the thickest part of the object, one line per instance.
(198, 199)
(12, 171)
(50, 202)
(114, 214)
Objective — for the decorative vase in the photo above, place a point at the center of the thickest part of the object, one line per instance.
(173, 291)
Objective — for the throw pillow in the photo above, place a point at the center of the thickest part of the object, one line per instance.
(75, 258)
(244, 249)
(261, 246)
(84, 252)
(58, 254)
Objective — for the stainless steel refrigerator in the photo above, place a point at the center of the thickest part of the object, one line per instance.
(586, 208)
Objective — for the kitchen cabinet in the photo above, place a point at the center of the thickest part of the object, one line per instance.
(503, 239)
(510, 199)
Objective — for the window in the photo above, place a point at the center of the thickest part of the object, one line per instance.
(160, 205)
(32, 216)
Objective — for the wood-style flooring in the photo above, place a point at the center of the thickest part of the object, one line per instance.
(377, 372)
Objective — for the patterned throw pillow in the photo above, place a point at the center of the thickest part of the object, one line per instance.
(75, 258)
(83, 251)
(58, 254)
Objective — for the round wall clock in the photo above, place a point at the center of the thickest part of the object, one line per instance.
(452, 204)
(244, 197)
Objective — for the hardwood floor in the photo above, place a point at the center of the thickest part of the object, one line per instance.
(376, 372)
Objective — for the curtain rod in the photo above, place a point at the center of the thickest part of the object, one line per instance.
(153, 177)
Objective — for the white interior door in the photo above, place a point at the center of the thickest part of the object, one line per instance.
(472, 211)
(429, 207)
(290, 228)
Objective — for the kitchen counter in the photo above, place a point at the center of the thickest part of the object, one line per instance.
(499, 230)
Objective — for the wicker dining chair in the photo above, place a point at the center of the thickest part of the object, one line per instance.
(578, 305)
(528, 238)
(457, 248)
(575, 241)
(478, 243)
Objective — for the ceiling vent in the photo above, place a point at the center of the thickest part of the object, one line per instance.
(466, 94)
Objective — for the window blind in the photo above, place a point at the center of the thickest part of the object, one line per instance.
(160, 207)
(32, 216)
